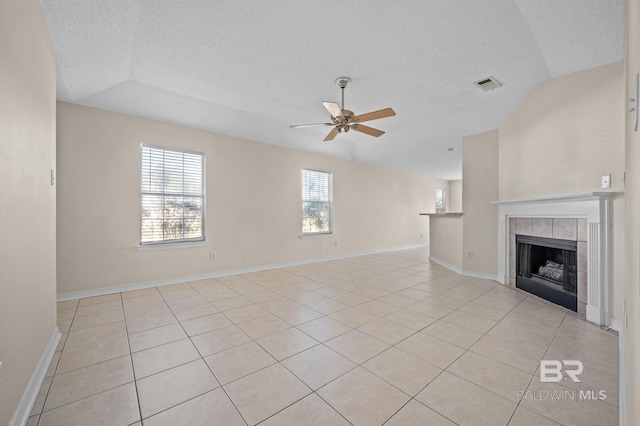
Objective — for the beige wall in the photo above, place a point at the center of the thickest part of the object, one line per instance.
(27, 199)
(253, 203)
(631, 291)
(455, 196)
(446, 240)
(479, 188)
(565, 136)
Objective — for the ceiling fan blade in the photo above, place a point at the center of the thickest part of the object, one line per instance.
(368, 130)
(332, 134)
(387, 112)
(334, 109)
(299, 126)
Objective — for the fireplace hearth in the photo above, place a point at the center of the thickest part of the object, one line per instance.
(547, 267)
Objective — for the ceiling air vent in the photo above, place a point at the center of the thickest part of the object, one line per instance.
(488, 83)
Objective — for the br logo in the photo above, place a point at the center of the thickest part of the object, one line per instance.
(551, 370)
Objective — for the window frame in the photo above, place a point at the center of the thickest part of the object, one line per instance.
(328, 202)
(176, 242)
(440, 200)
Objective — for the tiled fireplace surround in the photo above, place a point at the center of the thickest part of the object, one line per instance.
(571, 229)
(585, 218)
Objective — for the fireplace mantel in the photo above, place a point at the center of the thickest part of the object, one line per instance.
(596, 208)
(556, 198)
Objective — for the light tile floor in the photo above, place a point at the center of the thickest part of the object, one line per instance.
(388, 338)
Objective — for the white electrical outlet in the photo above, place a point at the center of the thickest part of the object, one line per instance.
(213, 255)
(606, 181)
(469, 254)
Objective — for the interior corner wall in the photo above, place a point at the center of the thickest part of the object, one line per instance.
(631, 292)
(562, 139)
(253, 205)
(455, 196)
(27, 199)
(479, 188)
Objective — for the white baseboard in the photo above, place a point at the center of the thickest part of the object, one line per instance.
(464, 272)
(623, 419)
(30, 394)
(446, 265)
(482, 275)
(138, 286)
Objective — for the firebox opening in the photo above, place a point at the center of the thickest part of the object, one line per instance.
(547, 267)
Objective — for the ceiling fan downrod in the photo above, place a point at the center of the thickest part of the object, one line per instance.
(343, 82)
(343, 125)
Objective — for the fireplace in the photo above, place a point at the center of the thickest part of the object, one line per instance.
(592, 212)
(547, 267)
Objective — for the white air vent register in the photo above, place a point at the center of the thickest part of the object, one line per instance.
(488, 83)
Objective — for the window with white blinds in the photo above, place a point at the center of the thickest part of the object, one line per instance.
(172, 195)
(316, 202)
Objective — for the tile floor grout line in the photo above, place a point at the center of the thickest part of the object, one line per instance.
(87, 397)
(133, 370)
(329, 404)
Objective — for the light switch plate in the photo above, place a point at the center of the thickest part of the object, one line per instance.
(606, 181)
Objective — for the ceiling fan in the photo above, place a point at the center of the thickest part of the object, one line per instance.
(344, 120)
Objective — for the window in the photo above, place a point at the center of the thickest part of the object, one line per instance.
(172, 195)
(316, 202)
(440, 206)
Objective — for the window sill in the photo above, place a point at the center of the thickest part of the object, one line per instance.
(171, 246)
(319, 235)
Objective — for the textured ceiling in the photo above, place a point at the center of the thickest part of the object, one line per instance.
(251, 68)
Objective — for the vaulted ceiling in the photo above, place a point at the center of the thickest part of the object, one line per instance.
(251, 68)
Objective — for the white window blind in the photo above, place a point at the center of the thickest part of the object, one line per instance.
(172, 195)
(316, 202)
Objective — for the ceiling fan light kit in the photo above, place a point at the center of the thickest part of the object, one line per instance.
(344, 120)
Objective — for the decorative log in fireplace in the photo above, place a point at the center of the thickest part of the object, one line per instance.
(547, 267)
